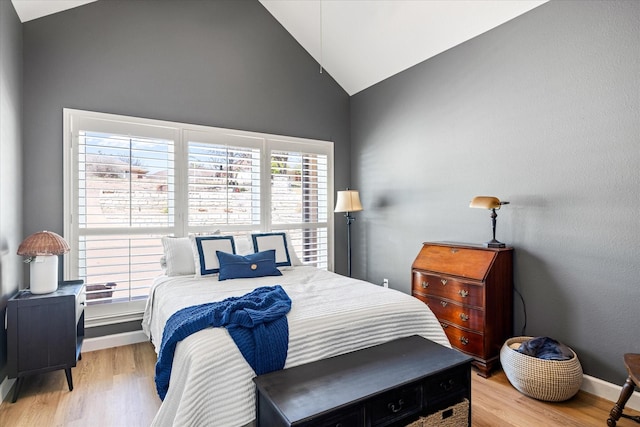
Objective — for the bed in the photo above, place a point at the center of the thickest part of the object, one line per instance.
(211, 383)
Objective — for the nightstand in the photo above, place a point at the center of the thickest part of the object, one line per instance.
(45, 331)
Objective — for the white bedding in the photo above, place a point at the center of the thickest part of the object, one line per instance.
(331, 314)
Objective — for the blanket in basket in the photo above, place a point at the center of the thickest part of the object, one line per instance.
(257, 322)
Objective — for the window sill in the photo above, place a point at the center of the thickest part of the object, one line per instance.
(110, 314)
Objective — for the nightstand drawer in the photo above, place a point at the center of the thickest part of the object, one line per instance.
(467, 341)
(465, 293)
(452, 312)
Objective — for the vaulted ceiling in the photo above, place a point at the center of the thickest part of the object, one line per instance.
(362, 42)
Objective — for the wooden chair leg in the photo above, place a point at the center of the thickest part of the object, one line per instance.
(625, 394)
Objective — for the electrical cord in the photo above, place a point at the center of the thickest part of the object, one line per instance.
(524, 309)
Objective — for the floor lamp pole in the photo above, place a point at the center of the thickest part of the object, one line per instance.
(350, 219)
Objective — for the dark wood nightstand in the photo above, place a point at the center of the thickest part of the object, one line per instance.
(45, 331)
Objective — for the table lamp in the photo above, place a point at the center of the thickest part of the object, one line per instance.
(493, 203)
(42, 250)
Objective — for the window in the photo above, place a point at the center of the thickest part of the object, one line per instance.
(130, 181)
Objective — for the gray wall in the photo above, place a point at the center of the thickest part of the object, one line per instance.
(542, 111)
(219, 63)
(10, 163)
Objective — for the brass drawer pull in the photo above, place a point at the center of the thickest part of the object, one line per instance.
(464, 317)
(454, 250)
(425, 284)
(443, 303)
(443, 281)
(464, 340)
(463, 293)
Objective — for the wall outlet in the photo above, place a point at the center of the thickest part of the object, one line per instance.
(385, 283)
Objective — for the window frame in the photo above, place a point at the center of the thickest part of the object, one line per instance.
(73, 120)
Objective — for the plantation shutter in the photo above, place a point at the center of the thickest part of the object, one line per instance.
(124, 187)
(300, 200)
(130, 181)
(223, 181)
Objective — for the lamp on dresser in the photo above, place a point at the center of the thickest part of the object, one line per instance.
(494, 204)
(348, 201)
(42, 250)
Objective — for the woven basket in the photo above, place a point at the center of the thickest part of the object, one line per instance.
(549, 380)
(453, 416)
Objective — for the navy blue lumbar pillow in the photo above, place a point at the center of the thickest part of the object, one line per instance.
(246, 266)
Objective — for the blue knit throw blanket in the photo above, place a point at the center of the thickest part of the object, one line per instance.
(257, 322)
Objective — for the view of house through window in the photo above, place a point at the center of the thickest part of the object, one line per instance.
(130, 181)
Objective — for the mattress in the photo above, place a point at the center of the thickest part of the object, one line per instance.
(211, 383)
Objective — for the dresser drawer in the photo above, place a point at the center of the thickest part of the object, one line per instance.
(452, 312)
(466, 293)
(395, 405)
(467, 341)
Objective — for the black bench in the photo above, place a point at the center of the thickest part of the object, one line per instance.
(389, 384)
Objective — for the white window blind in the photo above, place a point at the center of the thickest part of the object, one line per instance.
(224, 181)
(130, 181)
(299, 182)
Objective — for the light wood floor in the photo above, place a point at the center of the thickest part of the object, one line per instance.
(115, 387)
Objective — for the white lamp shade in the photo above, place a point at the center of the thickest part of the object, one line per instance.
(348, 201)
(43, 274)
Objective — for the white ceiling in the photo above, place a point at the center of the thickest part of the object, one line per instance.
(33, 9)
(362, 42)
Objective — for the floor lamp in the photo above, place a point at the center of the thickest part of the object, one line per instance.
(348, 201)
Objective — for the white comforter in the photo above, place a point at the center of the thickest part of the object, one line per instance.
(331, 314)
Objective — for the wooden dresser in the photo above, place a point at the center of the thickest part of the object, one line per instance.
(470, 290)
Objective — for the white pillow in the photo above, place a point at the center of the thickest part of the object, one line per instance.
(295, 261)
(285, 253)
(178, 256)
(204, 252)
(244, 246)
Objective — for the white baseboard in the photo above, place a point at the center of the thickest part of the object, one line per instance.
(115, 340)
(609, 391)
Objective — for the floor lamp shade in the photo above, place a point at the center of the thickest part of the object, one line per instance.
(42, 250)
(348, 201)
